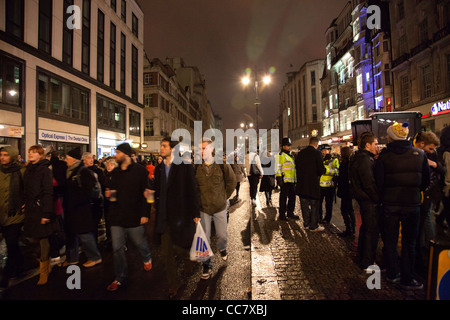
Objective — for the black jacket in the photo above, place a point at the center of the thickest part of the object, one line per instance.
(131, 204)
(177, 202)
(309, 166)
(343, 180)
(402, 172)
(78, 214)
(38, 190)
(362, 177)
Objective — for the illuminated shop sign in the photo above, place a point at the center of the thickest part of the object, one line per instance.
(439, 107)
(63, 137)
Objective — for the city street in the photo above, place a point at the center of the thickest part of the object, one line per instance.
(282, 262)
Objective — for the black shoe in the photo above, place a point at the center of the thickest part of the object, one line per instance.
(346, 233)
(293, 217)
(207, 272)
(413, 285)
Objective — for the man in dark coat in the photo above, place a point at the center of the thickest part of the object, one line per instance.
(78, 211)
(365, 192)
(11, 214)
(309, 166)
(129, 212)
(178, 210)
(402, 173)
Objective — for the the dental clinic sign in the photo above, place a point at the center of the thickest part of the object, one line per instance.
(63, 137)
(440, 107)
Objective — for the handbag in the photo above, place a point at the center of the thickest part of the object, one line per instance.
(200, 248)
(254, 171)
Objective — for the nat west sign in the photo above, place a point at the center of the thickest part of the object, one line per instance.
(63, 137)
(439, 107)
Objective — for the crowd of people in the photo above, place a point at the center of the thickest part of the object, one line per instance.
(61, 202)
(395, 190)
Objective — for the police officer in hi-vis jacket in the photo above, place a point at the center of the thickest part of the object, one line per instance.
(286, 176)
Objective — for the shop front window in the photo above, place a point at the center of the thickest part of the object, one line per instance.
(10, 82)
(62, 98)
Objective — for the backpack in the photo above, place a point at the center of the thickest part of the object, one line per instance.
(96, 192)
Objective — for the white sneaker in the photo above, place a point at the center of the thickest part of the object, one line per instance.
(318, 229)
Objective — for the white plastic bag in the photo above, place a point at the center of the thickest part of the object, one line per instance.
(200, 249)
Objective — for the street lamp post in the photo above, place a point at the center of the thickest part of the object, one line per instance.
(246, 81)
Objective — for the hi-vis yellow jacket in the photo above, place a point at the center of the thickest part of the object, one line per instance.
(285, 167)
(331, 170)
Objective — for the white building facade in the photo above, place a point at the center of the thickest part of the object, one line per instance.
(71, 84)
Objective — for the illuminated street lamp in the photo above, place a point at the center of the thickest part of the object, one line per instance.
(246, 80)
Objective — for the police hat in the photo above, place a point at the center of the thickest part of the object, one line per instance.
(286, 142)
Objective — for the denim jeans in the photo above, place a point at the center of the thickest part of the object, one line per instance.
(88, 243)
(410, 219)
(220, 225)
(119, 237)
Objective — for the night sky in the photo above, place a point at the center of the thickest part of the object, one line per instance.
(224, 37)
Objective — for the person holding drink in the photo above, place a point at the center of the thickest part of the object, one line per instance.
(129, 211)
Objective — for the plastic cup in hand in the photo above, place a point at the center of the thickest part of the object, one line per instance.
(151, 196)
(113, 195)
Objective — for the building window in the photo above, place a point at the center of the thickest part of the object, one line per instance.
(313, 78)
(14, 17)
(147, 78)
(448, 69)
(67, 35)
(45, 26)
(59, 97)
(427, 81)
(404, 90)
(11, 79)
(123, 11)
(401, 10)
(112, 56)
(367, 81)
(122, 62)
(135, 25)
(86, 37)
(359, 84)
(313, 96)
(423, 31)
(403, 45)
(387, 78)
(135, 123)
(100, 46)
(114, 5)
(149, 130)
(110, 114)
(134, 72)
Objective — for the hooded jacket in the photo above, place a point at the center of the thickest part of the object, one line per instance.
(402, 172)
(11, 194)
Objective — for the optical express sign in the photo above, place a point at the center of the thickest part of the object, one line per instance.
(63, 137)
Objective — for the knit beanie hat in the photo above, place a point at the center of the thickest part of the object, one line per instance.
(125, 148)
(75, 153)
(398, 131)
(12, 152)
